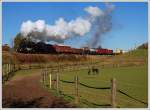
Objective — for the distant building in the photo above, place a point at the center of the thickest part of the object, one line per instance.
(5, 47)
(118, 51)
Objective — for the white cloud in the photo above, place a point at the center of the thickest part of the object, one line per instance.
(60, 31)
(80, 26)
(94, 11)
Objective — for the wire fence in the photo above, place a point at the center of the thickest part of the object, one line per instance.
(118, 90)
(124, 93)
(78, 94)
(8, 71)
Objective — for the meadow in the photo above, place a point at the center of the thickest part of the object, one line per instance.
(131, 80)
(130, 71)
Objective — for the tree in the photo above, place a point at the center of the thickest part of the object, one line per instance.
(143, 46)
(17, 41)
(24, 44)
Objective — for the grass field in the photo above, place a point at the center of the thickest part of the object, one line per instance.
(131, 79)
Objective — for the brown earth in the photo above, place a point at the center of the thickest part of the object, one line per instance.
(27, 92)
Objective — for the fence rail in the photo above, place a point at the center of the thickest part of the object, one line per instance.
(77, 98)
(8, 71)
(74, 66)
(122, 92)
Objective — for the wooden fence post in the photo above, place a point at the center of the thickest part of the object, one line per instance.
(113, 92)
(43, 76)
(57, 82)
(19, 66)
(46, 76)
(6, 69)
(76, 90)
(9, 68)
(50, 80)
(3, 71)
(14, 67)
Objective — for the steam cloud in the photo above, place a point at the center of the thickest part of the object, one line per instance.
(62, 30)
(97, 19)
(102, 23)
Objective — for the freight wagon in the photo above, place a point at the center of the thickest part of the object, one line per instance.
(43, 48)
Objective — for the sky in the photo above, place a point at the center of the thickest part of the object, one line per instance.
(129, 21)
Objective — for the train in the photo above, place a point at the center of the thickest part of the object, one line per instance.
(43, 48)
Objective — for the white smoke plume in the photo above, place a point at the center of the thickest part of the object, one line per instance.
(58, 32)
(102, 24)
(62, 30)
(94, 11)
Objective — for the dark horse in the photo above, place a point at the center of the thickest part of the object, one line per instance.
(94, 71)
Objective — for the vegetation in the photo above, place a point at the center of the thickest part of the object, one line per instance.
(20, 41)
(40, 58)
(5, 47)
(138, 53)
(143, 46)
(124, 76)
(131, 76)
(131, 79)
(17, 41)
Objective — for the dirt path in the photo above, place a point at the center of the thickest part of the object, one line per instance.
(26, 91)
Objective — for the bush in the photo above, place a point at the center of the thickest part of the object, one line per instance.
(40, 58)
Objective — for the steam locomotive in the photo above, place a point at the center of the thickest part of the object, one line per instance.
(42, 48)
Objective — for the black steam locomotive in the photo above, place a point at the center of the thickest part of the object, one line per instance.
(43, 48)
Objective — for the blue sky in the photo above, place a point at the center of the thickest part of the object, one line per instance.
(130, 21)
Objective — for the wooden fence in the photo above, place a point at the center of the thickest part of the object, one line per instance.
(48, 81)
(54, 83)
(8, 71)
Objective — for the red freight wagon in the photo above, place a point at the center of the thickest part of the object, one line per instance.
(62, 49)
(104, 51)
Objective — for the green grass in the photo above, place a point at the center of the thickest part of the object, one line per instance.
(27, 72)
(138, 53)
(131, 80)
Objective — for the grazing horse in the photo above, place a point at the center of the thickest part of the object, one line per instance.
(89, 71)
(94, 71)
